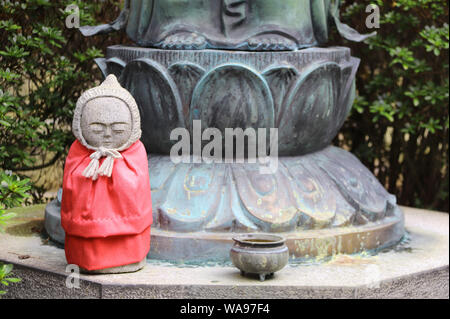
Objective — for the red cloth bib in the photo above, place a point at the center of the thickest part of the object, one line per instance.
(107, 221)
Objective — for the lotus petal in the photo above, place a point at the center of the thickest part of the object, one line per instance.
(186, 77)
(266, 199)
(280, 80)
(115, 66)
(356, 183)
(309, 111)
(159, 103)
(232, 96)
(193, 197)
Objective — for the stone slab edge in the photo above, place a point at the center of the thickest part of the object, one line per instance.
(42, 284)
(431, 280)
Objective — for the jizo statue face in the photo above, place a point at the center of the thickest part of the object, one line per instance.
(106, 122)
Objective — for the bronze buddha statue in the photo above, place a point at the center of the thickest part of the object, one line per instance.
(255, 25)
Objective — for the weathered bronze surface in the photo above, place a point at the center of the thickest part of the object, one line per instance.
(326, 189)
(227, 89)
(311, 245)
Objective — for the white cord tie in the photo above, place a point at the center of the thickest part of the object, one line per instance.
(94, 171)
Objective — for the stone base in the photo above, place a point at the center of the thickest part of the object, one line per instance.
(417, 268)
(117, 270)
(303, 245)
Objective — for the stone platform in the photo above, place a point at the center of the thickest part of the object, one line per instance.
(416, 268)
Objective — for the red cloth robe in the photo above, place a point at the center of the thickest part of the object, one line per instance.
(107, 221)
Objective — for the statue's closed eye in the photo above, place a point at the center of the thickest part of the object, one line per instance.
(117, 128)
(120, 128)
(97, 128)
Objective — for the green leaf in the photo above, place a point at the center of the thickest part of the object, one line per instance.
(6, 269)
(13, 280)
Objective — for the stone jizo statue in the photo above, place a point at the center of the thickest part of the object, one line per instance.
(106, 205)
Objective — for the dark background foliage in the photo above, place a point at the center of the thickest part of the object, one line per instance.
(398, 127)
(44, 67)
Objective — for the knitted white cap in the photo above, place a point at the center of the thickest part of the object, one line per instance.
(109, 88)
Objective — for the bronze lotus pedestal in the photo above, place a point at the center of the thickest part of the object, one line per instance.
(321, 198)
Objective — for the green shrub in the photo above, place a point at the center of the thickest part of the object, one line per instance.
(13, 192)
(400, 122)
(44, 67)
(5, 279)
